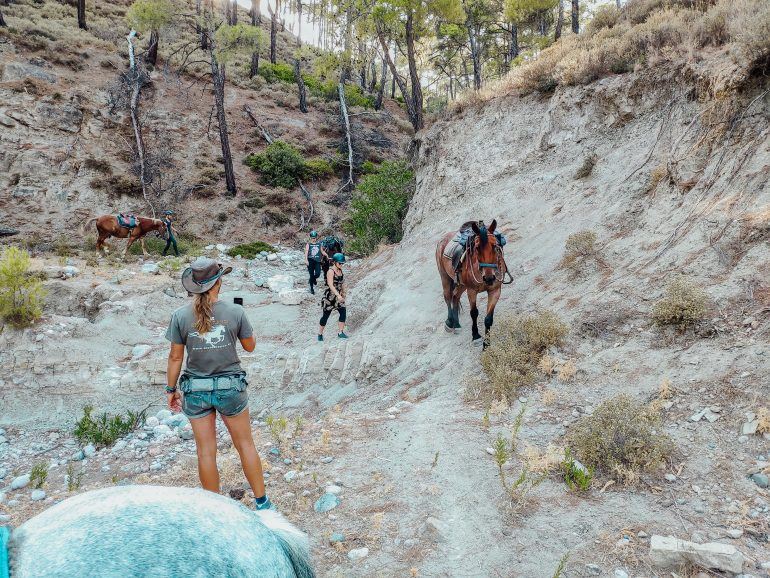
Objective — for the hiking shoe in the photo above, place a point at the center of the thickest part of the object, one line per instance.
(320, 338)
(312, 290)
(266, 505)
(342, 335)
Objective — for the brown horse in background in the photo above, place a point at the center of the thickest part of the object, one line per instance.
(482, 269)
(107, 226)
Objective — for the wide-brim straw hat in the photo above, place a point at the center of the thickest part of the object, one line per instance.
(202, 275)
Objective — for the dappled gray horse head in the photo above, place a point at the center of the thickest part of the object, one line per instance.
(159, 532)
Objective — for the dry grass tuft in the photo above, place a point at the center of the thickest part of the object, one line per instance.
(579, 248)
(621, 439)
(683, 305)
(587, 167)
(517, 346)
(567, 371)
(763, 420)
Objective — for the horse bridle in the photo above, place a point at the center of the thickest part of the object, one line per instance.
(499, 277)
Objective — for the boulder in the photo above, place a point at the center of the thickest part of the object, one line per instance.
(278, 283)
(151, 268)
(37, 495)
(292, 296)
(20, 482)
(669, 551)
(67, 117)
(358, 554)
(13, 71)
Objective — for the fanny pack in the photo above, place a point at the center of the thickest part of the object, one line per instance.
(190, 383)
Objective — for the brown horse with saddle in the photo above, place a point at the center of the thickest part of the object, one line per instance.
(472, 261)
(124, 226)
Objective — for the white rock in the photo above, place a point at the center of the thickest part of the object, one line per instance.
(37, 495)
(358, 554)
(140, 350)
(2, 497)
(69, 271)
(272, 257)
(151, 421)
(161, 430)
(290, 475)
(89, 450)
(20, 482)
(151, 268)
(278, 283)
(669, 551)
(750, 427)
(292, 296)
(222, 248)
(163, 414)
(333, 489)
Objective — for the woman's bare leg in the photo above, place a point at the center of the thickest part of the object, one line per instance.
(205, 430)
(239, 427)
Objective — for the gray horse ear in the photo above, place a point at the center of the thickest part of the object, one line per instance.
(493, 226)
(475, 228)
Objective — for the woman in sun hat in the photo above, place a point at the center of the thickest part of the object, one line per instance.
(213, 380)
(334, 297)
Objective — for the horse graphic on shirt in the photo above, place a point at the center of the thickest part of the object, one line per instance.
(212, 338)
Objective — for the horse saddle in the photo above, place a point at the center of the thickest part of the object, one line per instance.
(126, 220)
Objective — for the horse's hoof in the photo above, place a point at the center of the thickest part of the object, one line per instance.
(477, 341)
(447, 328)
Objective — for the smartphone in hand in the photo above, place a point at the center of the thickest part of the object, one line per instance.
(238, 301)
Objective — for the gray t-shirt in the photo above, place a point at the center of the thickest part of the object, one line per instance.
(212, 353)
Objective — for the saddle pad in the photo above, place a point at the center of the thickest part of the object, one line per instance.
(128, 221)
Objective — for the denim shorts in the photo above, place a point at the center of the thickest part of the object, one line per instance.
(228, 402)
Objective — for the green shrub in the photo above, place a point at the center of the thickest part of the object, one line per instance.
(186, 244)
(517, 343)
(576, 475)
(250, 250)
(368, 167)
(252, 202)
(280, 165)
(171, 264)
(21, 292)
(277, 72)
(317, 169)
(38, 475)
(378, 207)
(606, 16)
(354, 96)
(104, 430)
(621, 438)
(74, 480)
(683, 305)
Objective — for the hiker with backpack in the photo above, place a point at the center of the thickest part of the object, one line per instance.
(330, 246)
(313, 255)
(213, 380)
(334, 297)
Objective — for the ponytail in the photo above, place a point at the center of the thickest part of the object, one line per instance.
(203, 308)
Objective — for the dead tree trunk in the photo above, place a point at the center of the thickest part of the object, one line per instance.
(2, 20)
(136, 81)
(576, 16)
(254, 68)
(218, 80)
(82, 15)
(256, 16)
(273, 32)
(152, 50)
(348, 138)
(559, 21)
(411, 113)
(234, 14)
(414, 77)
(300, 86)
(513, 45)
(383, 81)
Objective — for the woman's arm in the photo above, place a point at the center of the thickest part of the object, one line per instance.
(330, 283)
(307, 251)
(173, 369)
(249, 343)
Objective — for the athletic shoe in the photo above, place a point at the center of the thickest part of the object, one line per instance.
(266, 505)
(342, 335)
(320, 338)
(312, 290)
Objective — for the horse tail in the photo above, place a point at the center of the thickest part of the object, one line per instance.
(294, 543)
(87, 224)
